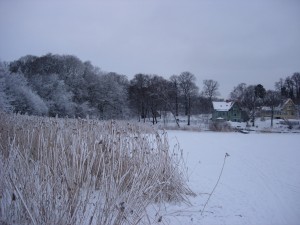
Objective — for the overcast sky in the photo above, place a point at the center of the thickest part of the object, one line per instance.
(230, 41)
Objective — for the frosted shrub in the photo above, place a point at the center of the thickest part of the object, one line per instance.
(64, 171)
(222, 126)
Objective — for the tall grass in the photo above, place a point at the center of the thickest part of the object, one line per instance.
(75, 171)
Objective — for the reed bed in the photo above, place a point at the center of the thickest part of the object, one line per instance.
(82, 171)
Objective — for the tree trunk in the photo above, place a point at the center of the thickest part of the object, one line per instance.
(189, 112)
(253, 115)
(176, 104)
(272, 115)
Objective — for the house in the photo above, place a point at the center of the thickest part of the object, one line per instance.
(289, 110)
(228, 111)
(286, 110)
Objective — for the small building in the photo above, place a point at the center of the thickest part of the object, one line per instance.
(228, 111)
(289, 110)
(286, 110)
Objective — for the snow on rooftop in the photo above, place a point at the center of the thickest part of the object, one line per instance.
(222, 106)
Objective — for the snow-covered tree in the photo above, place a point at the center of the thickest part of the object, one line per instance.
(23, 98)
(55, 94)
(112, 96)
(5, 105)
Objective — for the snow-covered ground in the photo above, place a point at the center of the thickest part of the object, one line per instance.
(201, 123)
(260, 182)
(279, 125)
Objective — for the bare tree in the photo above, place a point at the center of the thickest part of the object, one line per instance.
(189, 89)
(210, 89)
(238, 92)
(296, 79)
(290, 86)
(248, 101)
(272, 100)
(279, 85)
(175, 91)
(156, 101)
(138, 94)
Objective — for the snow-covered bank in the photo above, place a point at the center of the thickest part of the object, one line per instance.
(260, 183)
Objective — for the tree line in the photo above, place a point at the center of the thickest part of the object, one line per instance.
(65, 86)
(251, 97)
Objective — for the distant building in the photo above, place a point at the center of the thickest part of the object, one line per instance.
(228, 111)
(286, 110)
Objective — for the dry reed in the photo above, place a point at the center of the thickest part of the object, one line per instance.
(81, 171)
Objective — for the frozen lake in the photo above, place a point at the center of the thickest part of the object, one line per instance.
(260, 183)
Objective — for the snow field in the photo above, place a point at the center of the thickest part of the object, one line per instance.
(260, 182)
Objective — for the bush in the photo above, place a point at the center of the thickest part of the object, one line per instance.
(67, 171)
(220, 126)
